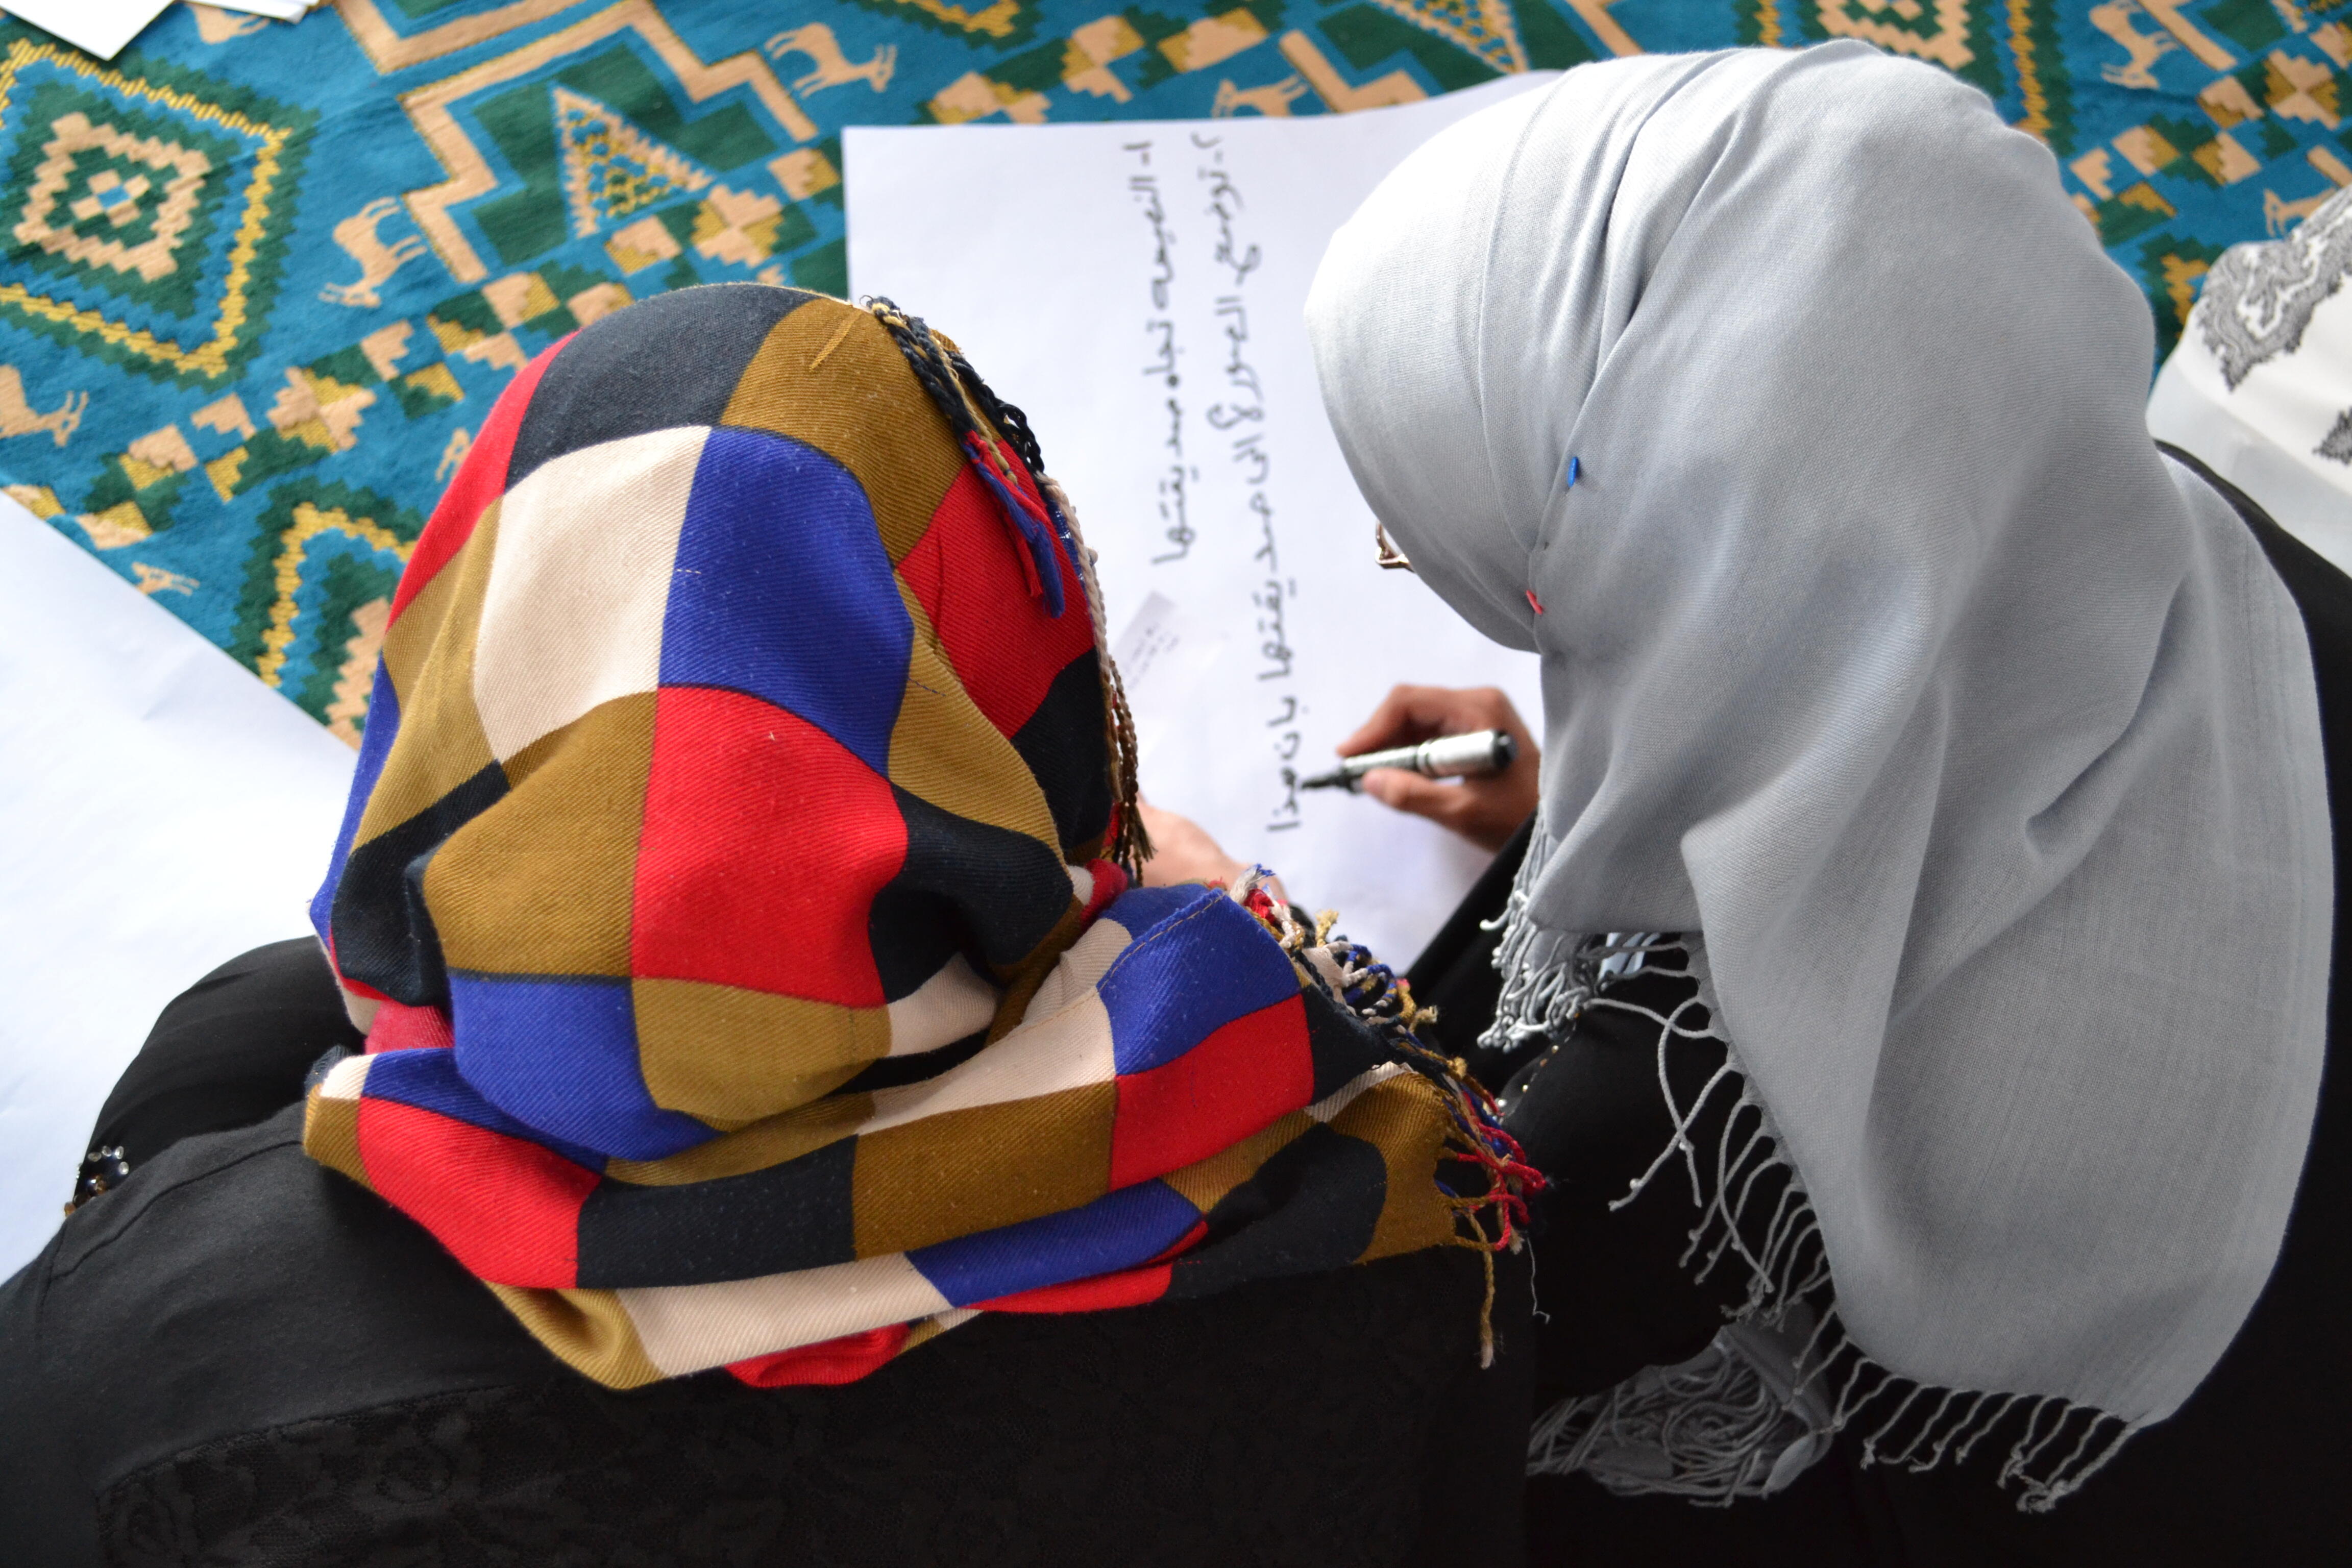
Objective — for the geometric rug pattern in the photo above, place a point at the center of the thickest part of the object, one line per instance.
(263, 281)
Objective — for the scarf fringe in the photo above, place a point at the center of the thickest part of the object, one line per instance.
(1474, 1135)
(1131, 843)
(1549, 978)
(1764, 1400)
(997, 438)
(1719, 1427)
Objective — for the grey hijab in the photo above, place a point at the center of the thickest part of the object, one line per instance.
(1882, 650)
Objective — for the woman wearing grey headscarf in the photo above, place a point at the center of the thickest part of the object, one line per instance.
(1930, 906)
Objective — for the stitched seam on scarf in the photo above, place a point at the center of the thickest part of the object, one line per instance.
(1151, 937)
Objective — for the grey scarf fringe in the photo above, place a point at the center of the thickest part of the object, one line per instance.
(1764, 1400)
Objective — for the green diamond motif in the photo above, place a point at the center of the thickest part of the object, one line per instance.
(115, 198)
(143, 216)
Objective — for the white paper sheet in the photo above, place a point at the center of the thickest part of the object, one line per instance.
(98, 27)
(161, 812)
(275, 10)
(1138, 288)
(1162, 655)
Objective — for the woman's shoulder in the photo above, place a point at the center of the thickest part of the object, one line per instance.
(232, 1284)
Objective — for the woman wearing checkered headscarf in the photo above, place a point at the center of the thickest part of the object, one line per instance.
(736, 902)
(736, 887)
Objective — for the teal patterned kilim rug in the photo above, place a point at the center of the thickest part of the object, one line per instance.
(264, 280)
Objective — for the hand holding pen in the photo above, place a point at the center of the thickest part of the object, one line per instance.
(1472, 756)
(1485, 809)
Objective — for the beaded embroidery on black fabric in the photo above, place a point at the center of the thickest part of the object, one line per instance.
(102, 1169)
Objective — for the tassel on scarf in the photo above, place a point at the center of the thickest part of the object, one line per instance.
(987, 426)
(1040, 564)
(1475, 1136)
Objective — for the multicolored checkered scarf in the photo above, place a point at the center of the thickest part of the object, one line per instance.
(731, 892)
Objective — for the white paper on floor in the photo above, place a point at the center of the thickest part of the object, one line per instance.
(1137, 288)
(275, 10)
(100, 27)
(161, 812)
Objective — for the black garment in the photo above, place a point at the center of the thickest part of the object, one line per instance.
(1455, 972)
(2253, 1470)
(1586, 1110)
(240, 1357)
(228, 1051)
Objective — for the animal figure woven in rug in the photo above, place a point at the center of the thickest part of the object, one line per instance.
(731, 892)
(262, 285)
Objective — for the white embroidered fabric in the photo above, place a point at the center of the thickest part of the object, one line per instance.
(2260, 387)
